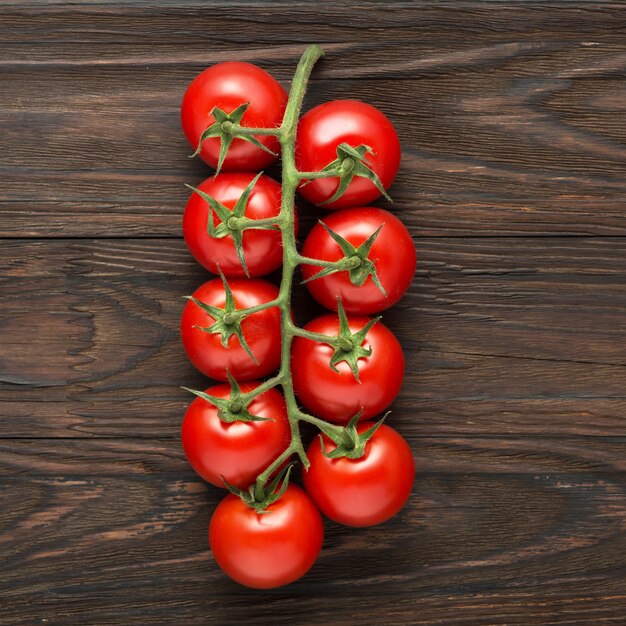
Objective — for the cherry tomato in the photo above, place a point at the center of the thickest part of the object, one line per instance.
(328, 125)
(392, 255)
(227, 86)
(260, 330)
(338, 396)
(240, 450)
(262, 249)
(363, 491)
(266, 550)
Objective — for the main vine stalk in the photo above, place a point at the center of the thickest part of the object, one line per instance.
(291, 178)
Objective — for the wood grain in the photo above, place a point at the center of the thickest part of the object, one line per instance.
(513, 125)
(460, 535)
(506, 130)
(526, 335)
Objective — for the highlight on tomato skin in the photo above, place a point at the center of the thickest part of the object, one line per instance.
(227, 86)
(262, 249)
(324, 128)
(236, 451)
(260, 330)
(337, 396)
(365, 491)
(267, 550)
(392, 256)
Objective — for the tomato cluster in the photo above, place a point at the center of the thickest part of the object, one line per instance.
(344, 367)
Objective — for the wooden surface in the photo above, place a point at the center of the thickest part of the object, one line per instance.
(512, 118)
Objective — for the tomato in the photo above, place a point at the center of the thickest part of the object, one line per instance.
(266, 550)
(363, 491)
(262, 249)
(260, 330)
(227, 86)
(239, 450)
(392, 254)
(328, 125)
(338, 396)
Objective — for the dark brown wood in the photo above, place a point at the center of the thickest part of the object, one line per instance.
(523, 334)
(507, 128)
(96, 533)
(512, 184)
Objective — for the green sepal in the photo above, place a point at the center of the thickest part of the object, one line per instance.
(347, 345)
(351, 162)
(350, 444)
(260, 499)
(230, 409)
(221, 129)
(226, 329)
(229, 226)
(361, 271)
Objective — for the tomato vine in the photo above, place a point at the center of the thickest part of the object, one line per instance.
(370, 356)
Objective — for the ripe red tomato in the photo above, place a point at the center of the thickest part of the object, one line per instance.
(260, 330)
(227, 86)
(240, 450)
(266, 550)
(392, 253)
(328, 125)
(262, 249)
(363, 491)
(338, 396)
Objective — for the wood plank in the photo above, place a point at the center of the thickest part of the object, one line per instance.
(98, 532)
(507, 130)
(502, 336)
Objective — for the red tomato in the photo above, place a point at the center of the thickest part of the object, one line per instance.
(356, 123)
(338, 396)
(228, 85)
(364, 491)
(239, 451)
(392, 253)
(261, 331)
(262, 248)
(266, 550)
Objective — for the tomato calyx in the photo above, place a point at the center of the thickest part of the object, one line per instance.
(351, 162)
(356, 260)
(348, 345)
(227, 320)
(233, 221)
(349, 443)
(259, 497)
(231, 409)
(225, 128)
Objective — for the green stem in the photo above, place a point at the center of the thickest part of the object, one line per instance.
(342, 264)
(291, 178)
(314, 175)
(323, 425)
(270, 383)
(236, 129)
(319, 337)
(264, 222)
(236, 316)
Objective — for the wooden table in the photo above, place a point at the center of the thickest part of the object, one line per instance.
(513, 183)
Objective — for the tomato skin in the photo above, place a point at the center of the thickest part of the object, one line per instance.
(364, 491)
(262, 248)
(338, 396)
(271, 549)
(393, 254)
(227, 85)
(239, 451)
(261, 330)
(326, 126)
